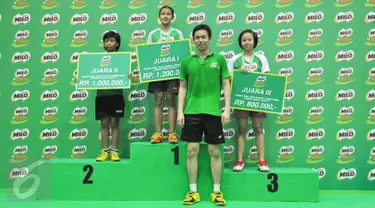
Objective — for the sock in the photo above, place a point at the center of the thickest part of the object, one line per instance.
(193, 187)
(216, 187)
(106, 150)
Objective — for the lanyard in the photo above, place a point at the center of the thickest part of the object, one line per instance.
(250, 63)
(168, 34)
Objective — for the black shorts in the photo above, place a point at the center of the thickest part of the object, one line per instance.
(170, 86)
(196, 125)
(109, 106)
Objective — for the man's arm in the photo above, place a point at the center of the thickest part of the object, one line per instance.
(182, 96)
(226, 86)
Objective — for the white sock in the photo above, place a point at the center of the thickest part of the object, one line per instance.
(216, 187)
(193, 187)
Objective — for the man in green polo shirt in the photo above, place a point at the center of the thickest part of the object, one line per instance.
(201, 78)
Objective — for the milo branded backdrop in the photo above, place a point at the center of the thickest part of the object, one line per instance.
(325, 47)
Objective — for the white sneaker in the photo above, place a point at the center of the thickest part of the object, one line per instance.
(239, 166)
(262, 166)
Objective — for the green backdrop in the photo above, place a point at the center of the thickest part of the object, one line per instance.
(325, 47)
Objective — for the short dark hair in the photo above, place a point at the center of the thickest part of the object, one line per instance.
(255, 36)
(166, 7)
(202, 27)
(113, 34)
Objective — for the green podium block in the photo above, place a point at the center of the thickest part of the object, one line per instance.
(280, 184)
(158, 173)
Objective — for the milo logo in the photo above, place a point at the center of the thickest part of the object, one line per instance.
(344, 56)
(78, 115)
(196, 18)
(371, 175)
(254, 17)
(371, 135)
(286, 115)
(50, 19)
(20, 95)
(314, 56)
(314, 95)
(253, 156)
(345, 115)
(370, 56)
(19, 134)
(164, 50)
(225, 18)
(108, 4)
(228, 149)
(79, 4)
(137, 18)
(78, 151)
(79, 19)
(48, 152)
(314, 76)
(50, 57)
(371, 38)
(21, 57)
(370, 17)
(289, 94)
(315, 115)
(50, 77)
(137, 114)
(287, 72)
(49, 115)
(370, 96)
(345, 95)
(348, 134)
(225, 38)
(19, 154)
(344, 37)
(315, 154)
(79, 38)
(285, 154)
(78, 134)
(346, 174)
(315, 134)
(21, 38)
(49, 95)
(314, 17)
(137, 95)
(49, 134)
(321, 172)
(284, 17)
(18, 173)
(371, 118)
(285, 134)
(137, 134)
(165, 115)
(228, 55)
(79, 95)
(314, 37)
(137, 38)
(21, 19)
(346, 155)
(229, 133)
(50, 38)
(106, 61)
(345, 76)
(344, 17)
(284, 37)
(284, 56)
(21, 77)
(108, 19)
(20, 115)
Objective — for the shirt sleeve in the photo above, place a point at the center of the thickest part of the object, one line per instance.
(181, 35)
(224, 68)
(183, 69)
(265, 67)
(149, 39)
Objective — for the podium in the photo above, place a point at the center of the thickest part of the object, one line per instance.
(157, 172)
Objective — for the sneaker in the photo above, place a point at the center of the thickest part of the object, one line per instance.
(191, 198)
(115, 156)
(218, 198)
(262, 166)
(239, 166)
(103, 156)
(172, 138)
(157, 137)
